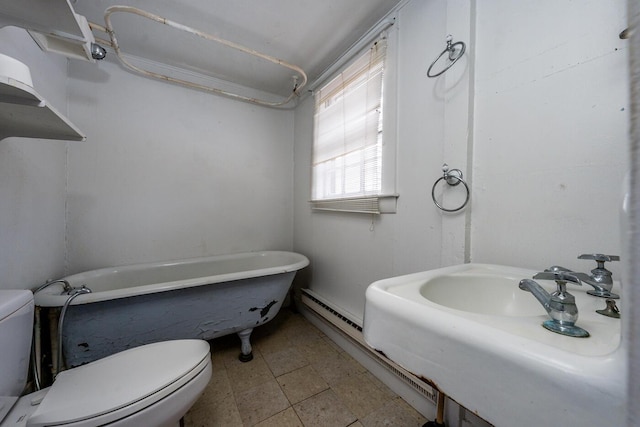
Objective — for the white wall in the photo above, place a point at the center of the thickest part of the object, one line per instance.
(537, 120)
(32, 179)
(169, 172)
(551, 131)
(165, 173)
(346, 255)
(539, 130)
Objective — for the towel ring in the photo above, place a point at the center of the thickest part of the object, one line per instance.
(453, 57)
(452, 177)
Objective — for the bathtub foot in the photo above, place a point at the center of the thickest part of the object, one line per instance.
(246, 354)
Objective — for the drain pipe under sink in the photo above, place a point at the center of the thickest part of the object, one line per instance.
(439, 421)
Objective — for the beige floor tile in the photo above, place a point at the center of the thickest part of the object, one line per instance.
(244, 376)
(302, 326)
(221, 357)
(297, 324)
(305, 337)
(360, 395)
(284, 361)
(221, 413)
(323, 410)
(335, 368)
(353, 362)
(261, 402)
(271, 343)
(301, 384)
(219, 386)
(286, 418)
(316, 350)
(332, 344)
(391, 414)
(294, 363)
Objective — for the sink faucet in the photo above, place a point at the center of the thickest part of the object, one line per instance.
(600, 278)
(560, 305)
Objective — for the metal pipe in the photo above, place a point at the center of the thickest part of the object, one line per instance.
(65, 285)
(439, 421)
(440, 408)
(35, 351)
(101, 28)
(36, 331)
(128, 9)
(75, 292)
(98, 27)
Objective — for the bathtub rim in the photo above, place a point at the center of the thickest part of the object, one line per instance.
(51, 297)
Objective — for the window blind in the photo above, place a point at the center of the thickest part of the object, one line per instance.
(347, 149)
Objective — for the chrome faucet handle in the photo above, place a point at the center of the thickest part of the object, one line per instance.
(560, 276)
(600, 277)
(557, 268)
(600, 258)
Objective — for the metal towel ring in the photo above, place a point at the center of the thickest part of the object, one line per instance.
(452, 177)
(453, 57)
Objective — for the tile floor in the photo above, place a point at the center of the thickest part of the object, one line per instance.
(298, 377)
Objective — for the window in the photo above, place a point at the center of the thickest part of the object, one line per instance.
(348, 150)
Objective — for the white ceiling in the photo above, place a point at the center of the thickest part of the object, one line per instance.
(311, 34)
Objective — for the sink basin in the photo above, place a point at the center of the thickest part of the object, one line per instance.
(493, 293)
(470, 330)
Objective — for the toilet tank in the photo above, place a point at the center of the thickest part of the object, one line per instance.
(16, 320)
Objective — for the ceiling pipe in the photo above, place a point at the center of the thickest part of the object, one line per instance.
(298, 84)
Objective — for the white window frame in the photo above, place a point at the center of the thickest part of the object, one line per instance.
(383, 200)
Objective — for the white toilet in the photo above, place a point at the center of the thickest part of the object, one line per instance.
(152, 386)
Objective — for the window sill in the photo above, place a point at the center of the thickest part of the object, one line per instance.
(377, 204)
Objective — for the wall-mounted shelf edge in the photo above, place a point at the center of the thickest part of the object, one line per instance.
(24, 113)
(53, 24)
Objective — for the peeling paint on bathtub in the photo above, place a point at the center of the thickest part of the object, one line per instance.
(264, 310)
(96, 330)
(195, 298)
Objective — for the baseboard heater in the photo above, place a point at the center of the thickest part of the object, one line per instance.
(352, 328)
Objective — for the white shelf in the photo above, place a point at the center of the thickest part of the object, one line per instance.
(53, 24)
(24, 113)
(55, 17)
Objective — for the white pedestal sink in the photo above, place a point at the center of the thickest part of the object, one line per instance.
(479, 338)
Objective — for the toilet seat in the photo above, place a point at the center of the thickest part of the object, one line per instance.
(120, 385)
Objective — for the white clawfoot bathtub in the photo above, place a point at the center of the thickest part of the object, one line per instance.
(195, 298)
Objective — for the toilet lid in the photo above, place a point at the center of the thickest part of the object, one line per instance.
(119, 383)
